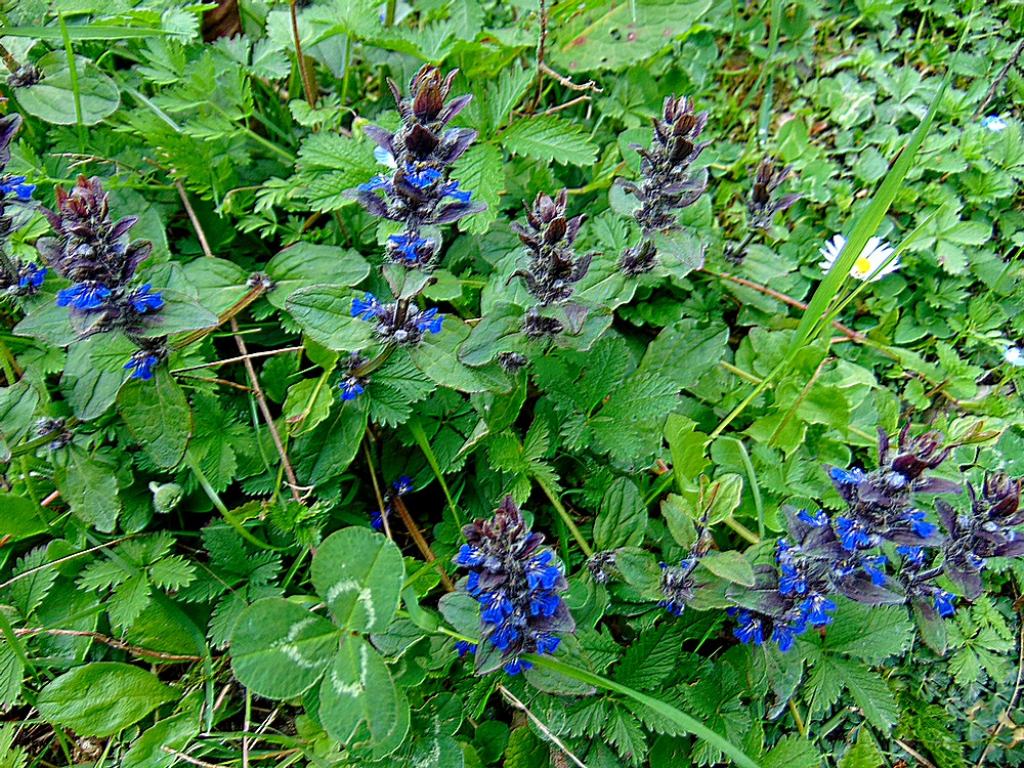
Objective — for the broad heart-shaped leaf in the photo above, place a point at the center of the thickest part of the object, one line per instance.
(731, 566)
(102, 698)
(358, 689)
(158, 416)
(280, 649)
(499, 330)
(359, 574)
(325, 314)
(89, 485)
(614, 35)
(304, 265)
(622, 518)
(327, 450)
(48, 322)
(219, 283)
(437, 356)
(52, 99)
(95, 372)
(679, 253)
(180, 313)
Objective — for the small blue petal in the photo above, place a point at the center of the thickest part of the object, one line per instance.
(944, 603)
(84, 297)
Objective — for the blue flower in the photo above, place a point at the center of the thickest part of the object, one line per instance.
(815, 610)
(874, 566)
(408, 246)
(377, 182)
(144, 300)
(547, 644)
(503, 637)
(521, 605)
(544, 603)
(428, 321)
(944, 603)
(792, 582)
(141, 365)
(351, 388)
(84, 297)
(517, 665)
(920, 526)
(469, 556)
(366, 308)
(451, 189)
(819, 520)
(784, 635)
(402, 485)
(421, 180)
(852, 534)
(464, 647)
(913, 555)
(540, 574)
(17, 185)
(377, 519)
(750, 629)
(846, 476)
(31, 276)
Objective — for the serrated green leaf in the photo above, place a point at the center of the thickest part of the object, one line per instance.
(550, 138)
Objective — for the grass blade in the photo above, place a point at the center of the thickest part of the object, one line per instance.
(683, 720)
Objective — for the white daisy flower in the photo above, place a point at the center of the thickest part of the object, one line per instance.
(1014, 356)
(868, 265)
(994, 123)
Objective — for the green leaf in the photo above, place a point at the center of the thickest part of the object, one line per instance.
(679, 516)
(683, 352)
(12, 670)
(158, 416)
(102, 698)
(17, 407)
(614, 35)
(793, 752)
(89, 485)
(325, 313)
(482, 172)
(622, 518)
(437, 356)
(549, 137)
(329, 165)
(358, 689)
(52, 98)
(863, 754)
(724, 495)
(180, 313)
(499, 330)
(681, 719)
(280, 649)
(305, 264)
(865, 226)
(326, 451)
(731, 566)
(95, 372)
(359, 574)
(22, 518)
(870, 633)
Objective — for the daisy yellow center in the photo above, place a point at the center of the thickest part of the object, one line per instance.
(862, 266)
